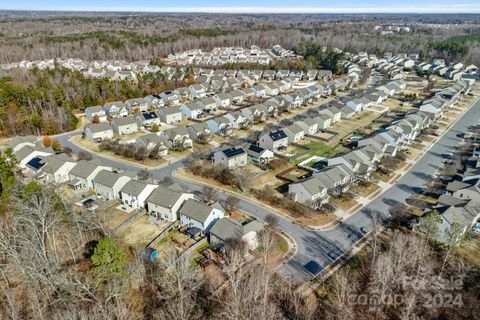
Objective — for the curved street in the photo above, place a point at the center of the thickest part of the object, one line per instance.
(324, 247)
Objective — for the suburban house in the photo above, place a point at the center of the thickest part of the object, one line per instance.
(137, 105)
(170, 98)
(196, 214)
(226, 229)
(18, 142)
(464, 213)
(221, 126)
(108, 184)
(25, 154)
(197, 91)
(336, 178)
(293, 100)
(98, 111)
(134, 193)
(309, 125)
(237, 119)
(223, 100)
(275, 141)
(164, 203)
(310, 192)
(199, 132)
(332, 112)
(81, 176)
(294, 133)
(208, 104)
(230, 158)
(148, 119)
(259, 154)
(177, 138)
(323, 121)
(115, 109)
(192, 110)
(126, 125)
(170, 115)
(98, 131)
(57, 168)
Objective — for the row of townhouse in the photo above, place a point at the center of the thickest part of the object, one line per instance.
(160, 202)
(220, 56)
(296, 74)
(460, 205)
(444, 99)
(111, 69)
(337, 174)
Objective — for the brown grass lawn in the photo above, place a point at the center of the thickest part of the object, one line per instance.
(343, 204)
(365, 191)
(319, 219)
(113, 217)
(469, 250)
(140, 232)
(347, 126)
(383, 177)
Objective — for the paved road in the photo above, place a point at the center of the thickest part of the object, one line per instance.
(324, 247)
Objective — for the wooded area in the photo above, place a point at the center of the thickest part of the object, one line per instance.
(41, 102)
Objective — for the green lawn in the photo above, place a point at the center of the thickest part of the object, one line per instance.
(321, 149)
(282, 244)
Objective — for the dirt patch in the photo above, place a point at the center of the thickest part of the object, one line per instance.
(140, 232)
(113, 217)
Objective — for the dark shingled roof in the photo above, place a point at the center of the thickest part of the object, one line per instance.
(277, 135)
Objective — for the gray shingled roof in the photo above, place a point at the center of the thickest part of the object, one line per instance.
(99, 127)
(106, 178)
(196, 210)
(164, 197)
(226, 229)
(133, 188)
(83, 169)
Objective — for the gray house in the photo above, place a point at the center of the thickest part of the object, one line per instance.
(125, 125)
(276, 141)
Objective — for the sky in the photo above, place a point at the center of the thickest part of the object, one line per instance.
(252, 6)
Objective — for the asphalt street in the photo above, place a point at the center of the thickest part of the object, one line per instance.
(322, 248)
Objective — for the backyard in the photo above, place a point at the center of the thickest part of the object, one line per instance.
(141, 231)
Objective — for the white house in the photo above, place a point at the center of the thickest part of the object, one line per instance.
(57, 168)
(231, 158)
(98, 111)
(294, 133)
(309, 125)
(98, 131)
(191, 110)
(27, 153)
(116, 109)
(108, 184)
(275, 141)
(81, 176)
(259, 154)
(126, 125)
(164, 203)
(199, 215)
(134, 194)
(170, 115)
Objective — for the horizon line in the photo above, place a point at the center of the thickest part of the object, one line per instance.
(453, 9)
